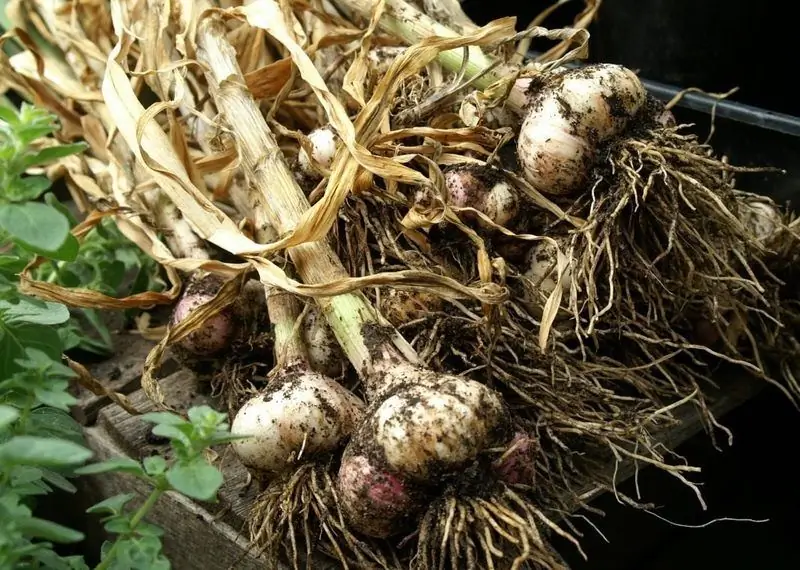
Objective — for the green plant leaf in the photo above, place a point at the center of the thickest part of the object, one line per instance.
(196, 479)
(40, 528)
(52, 561)
(57, 480)
(37, 226)
(155, 465)
(116, 465)
(167, 418)
(8, 415)
(67, 252)
(52, 153)
(54, 398)
(14, 341)
(106, 343)
(12, 264)
(33, 311)
(7, 114)
(225, 437)
(27, 188)
(205, 416)
(29, 133)
(112, 505)
(52, 201)
(42, 452)
(173, 433)
(50, 422)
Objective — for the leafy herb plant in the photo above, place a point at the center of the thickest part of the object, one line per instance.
(41, 446)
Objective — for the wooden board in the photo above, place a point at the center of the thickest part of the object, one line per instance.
(118, 433)
(121, 374)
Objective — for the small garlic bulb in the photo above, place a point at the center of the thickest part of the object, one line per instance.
(485, 190)
(542, 270)
(324, 142)
(307, 413)
(761, 218)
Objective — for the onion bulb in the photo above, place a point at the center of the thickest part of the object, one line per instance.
(571, 114)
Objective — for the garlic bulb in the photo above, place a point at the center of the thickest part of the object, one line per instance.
(568, 117)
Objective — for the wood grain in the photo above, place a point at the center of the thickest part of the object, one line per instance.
(122, 374)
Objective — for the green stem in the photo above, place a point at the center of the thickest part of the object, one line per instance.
(135, 520)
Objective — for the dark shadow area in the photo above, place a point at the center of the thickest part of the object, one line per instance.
(754, 479)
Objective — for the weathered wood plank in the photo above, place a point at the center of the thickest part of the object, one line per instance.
(121, 374)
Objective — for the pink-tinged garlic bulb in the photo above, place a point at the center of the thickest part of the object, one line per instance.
(485, 189)
(569, 117)
(377, 501)
(421, 425)
(217, 332)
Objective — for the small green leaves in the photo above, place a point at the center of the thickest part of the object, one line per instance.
(111, 506)
(28, 188)
(8, 116)
(8, 415)
(42, 452)
(33, 311)
(163, 418)
(41, 445)
(46, 530)
(155, 465)
(115, 465)
(49, 154)
(196, 479)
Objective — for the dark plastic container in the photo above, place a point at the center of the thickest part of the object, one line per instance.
(713, 45)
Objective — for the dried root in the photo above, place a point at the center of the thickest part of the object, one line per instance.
(665, 256)
(496, 532)
(297, 516)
